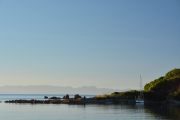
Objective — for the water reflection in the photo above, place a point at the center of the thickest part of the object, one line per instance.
(88, 112)
(165, 111)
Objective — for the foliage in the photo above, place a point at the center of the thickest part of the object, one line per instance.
(121, 95)
(150, 86)
(175, 73)
(164, 87)
(176, 94)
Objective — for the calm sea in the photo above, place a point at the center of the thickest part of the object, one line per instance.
(81, 112)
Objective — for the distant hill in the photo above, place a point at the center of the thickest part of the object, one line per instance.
(88, 90)
(165, 87)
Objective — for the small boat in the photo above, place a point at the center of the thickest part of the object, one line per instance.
(140, 98)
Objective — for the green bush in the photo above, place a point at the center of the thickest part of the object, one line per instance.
(132, 94)
(164, 87)
(175, 73)
(152, 85)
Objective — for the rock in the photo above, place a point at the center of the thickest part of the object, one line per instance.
(45, 97)
(54, 98)
(66, 96)
(77, 96)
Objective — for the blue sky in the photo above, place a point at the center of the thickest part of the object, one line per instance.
(103, 43)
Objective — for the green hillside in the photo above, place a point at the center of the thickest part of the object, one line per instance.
(165, 87)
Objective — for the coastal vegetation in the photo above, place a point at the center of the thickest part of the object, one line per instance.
(121, 95)
(164, 88)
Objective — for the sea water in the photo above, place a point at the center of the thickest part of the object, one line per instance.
(81, 112)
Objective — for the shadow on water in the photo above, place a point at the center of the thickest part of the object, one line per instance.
(171, 112)
(161, 112)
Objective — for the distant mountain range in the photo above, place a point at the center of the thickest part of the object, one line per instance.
(90, 90)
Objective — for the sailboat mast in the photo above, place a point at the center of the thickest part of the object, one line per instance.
(140, 82)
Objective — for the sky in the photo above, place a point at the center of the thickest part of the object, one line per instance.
(102, 43)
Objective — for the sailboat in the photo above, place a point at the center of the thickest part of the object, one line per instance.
(140, 98)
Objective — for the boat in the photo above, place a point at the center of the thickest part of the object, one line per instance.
(140, 98)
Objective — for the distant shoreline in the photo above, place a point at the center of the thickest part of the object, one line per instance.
(83, 100)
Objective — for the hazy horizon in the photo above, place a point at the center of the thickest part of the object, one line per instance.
(45, 89)
(101, 43)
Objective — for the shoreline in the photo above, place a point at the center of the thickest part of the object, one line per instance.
(78, 100)
(73, 101)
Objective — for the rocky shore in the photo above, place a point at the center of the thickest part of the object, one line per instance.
(76, 100)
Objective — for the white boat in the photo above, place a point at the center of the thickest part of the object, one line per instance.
(140, 98)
